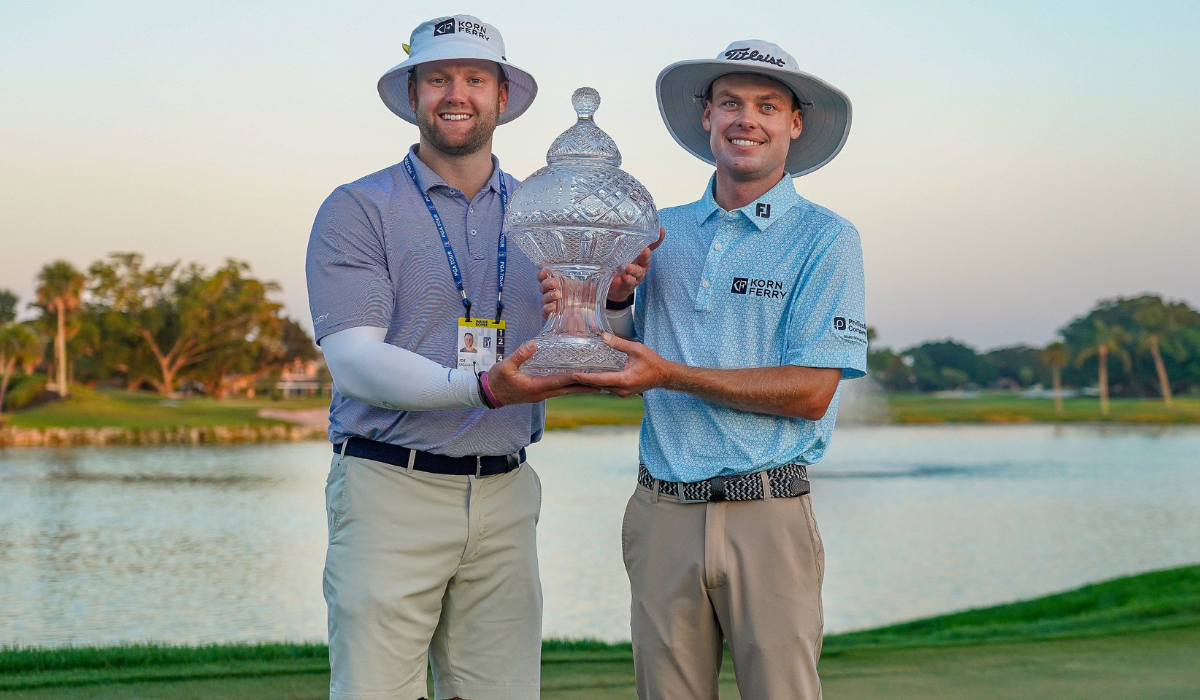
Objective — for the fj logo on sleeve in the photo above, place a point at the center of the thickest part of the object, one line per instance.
(763, 210)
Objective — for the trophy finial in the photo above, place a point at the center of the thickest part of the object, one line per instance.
(586, 101)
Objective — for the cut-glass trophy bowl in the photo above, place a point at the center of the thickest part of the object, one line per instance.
(583, 219)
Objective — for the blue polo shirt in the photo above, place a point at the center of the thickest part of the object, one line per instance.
(777, 282)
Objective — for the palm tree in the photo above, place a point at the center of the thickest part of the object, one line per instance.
(1107, 340)
(1056, 355)
(1160, 324)
(19, 345)
(8, 307)
(60, 286)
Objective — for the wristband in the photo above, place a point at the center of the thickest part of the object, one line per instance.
(485, 392)
(618, 305)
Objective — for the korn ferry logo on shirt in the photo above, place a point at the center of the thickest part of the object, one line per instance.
(758, 288)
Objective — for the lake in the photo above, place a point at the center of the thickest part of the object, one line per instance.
(205, 544)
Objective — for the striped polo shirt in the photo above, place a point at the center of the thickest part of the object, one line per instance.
(375, 259)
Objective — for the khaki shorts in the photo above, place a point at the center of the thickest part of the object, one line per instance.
(427, 566)
(748, 572)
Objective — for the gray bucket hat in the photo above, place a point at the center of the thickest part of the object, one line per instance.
(825, 109)
(445, 38)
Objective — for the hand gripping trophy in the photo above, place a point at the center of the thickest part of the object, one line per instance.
(582, 218)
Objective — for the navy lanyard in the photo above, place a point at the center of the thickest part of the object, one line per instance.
(501, 247)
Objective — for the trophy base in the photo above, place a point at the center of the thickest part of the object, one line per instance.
(569, 354)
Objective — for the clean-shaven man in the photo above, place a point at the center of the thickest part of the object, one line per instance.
(749, 317)
(432, 509)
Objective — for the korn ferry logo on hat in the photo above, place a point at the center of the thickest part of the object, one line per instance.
(448, 39)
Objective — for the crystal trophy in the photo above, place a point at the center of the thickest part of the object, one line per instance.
(584, 219)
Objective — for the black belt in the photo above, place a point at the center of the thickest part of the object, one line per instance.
(788, 481)
(429, 462)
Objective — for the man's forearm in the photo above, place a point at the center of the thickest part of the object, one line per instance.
(367, 369)
(791, 391)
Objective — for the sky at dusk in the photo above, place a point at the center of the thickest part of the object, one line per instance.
(1009, 163)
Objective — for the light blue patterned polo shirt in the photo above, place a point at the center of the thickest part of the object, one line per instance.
(777, 282)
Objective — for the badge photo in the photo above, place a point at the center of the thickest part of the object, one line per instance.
(480, 344)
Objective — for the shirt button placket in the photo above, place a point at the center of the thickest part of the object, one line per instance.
(711, 262)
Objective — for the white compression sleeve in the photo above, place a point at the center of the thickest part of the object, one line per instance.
(367, 369)
(621, 322)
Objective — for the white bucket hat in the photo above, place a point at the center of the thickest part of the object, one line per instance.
(445, 38)
(824, 109)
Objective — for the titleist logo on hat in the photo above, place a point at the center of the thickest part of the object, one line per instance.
(455, 25)
(748, 54)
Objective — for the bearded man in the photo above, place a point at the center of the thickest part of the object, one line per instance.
(431, 506)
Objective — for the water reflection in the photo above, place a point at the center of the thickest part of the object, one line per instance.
(191, 544)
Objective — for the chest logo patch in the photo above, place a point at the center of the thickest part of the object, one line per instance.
(770, 289)
(762, 210)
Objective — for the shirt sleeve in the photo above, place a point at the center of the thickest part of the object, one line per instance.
(826, 324)
(346, 266)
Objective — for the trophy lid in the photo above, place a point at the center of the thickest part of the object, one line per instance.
(584, 141)
(582, 209)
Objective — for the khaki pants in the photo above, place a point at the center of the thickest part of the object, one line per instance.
(424, 565)
(746, 571)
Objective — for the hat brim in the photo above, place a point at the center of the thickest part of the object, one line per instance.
(826, 118)
(393, 86)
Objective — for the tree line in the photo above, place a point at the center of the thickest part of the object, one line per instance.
(1136, 347)
(159, 327)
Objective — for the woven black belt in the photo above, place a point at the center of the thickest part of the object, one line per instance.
(788, 481)
(429, 462)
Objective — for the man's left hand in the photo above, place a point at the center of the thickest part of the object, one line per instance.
(645, 369)
(627, 280)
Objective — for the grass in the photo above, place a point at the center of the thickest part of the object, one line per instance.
(1155, 600)
(1099, 641)
(576, 410)
(139, 410)
(1006, 407)
(87, 408)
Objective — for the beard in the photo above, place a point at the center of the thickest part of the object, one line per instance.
(471, 142)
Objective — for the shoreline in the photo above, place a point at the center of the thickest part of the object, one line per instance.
(11, 436)
(113, 417)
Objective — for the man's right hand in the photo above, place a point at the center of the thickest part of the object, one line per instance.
(512, 386)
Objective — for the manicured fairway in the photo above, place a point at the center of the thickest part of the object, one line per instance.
(1007, 407)
(1132, 638)
(1159, 665)
(142, 410)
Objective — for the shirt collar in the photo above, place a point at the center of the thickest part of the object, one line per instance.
(768, 208)
(428, 179)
